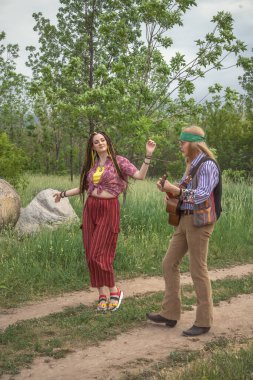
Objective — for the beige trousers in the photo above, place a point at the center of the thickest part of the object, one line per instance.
(194, 240)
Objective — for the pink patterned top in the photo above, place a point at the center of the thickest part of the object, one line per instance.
(110, 181)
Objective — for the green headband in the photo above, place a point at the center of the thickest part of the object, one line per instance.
(185, 136)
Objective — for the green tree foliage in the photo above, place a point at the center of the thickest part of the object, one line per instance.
(228, 130)
(12, 161)
(246, 80)
(102, 67)
(13, 99)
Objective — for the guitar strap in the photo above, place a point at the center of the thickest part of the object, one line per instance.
(194, 170)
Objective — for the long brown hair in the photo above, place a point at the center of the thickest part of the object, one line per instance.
(91, 155)
(200, 146)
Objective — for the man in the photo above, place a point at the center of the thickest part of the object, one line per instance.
(199, 209)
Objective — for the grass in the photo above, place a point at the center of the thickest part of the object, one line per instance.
(223, 289)
(52, 262)
(229, 365)
(175, 360)
(221, 358)
(57, 334)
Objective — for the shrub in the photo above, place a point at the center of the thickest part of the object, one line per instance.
(236, 176)
(12, 161)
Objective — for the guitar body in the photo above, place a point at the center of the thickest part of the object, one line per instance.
(173, 207)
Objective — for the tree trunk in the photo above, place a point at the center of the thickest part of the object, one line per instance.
(90, 61)
(71, 158)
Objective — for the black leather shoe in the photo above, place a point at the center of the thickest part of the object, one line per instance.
(157, 318)
(195, 330)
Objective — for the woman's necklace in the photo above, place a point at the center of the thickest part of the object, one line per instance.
(101, 167)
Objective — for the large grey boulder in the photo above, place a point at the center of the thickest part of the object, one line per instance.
(9, 205)
(42, 211)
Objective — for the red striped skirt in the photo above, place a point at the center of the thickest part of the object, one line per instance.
(100, 228)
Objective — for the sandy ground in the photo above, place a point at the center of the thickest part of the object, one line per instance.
(132, 287)
(135, 350)
(131, 351)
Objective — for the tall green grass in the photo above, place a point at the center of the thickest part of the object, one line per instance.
(52, 261)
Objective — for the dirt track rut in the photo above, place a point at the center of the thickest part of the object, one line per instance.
(132, 287)
(153, 343)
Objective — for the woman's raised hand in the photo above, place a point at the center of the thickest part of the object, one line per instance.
(150, 147)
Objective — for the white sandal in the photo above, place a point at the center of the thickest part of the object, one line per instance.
(115, 300)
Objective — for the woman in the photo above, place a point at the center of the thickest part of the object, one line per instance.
(200, 208)
(104, 177)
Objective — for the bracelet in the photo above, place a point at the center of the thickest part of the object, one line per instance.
(148, 157)
(146, 163)
(63, 194)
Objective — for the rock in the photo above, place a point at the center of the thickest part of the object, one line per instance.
(42, 211)
(9, 205)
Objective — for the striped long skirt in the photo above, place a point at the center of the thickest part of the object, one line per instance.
(100, 228)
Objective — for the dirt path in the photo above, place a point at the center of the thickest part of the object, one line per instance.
(132, 350)
(140, 285)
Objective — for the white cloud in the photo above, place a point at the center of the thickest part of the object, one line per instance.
(17, 21)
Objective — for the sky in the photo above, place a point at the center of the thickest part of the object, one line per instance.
(17, 22)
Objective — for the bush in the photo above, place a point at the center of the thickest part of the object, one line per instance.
(12, 161)
(236, 176)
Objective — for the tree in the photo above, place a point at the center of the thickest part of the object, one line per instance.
(12, 161)
(227, 130)
(14, 102)
(101, 66)
(246, 80)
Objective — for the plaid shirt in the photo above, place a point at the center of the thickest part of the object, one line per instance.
(110, 181)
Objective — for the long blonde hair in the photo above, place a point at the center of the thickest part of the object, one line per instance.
(199, 146)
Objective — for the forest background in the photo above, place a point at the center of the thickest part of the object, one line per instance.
(102, 66)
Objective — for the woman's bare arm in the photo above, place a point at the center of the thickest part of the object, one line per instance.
(68, 193)
(141, 174)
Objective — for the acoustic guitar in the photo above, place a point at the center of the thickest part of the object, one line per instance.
(173, 203)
